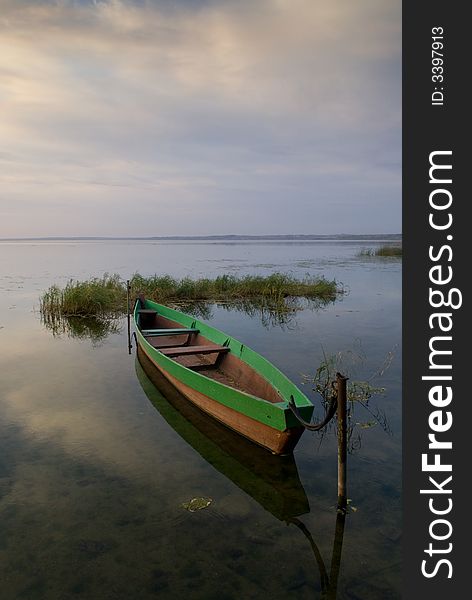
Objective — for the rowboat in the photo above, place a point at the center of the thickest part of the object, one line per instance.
(222, 376)
(272, 481)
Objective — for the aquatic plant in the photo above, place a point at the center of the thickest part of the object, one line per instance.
(96, 296)
(107, 295)
(395, 251)
(227, 287)
(359, 392)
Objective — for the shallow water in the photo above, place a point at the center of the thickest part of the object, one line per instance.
(95, 464)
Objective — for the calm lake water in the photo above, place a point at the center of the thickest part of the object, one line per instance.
(95, 463)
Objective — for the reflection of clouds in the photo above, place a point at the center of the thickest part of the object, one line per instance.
(78, 401)
(173, 104)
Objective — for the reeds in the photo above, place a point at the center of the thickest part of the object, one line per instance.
(94, 297)
(229, 287)
(395, 251)
(106, 296)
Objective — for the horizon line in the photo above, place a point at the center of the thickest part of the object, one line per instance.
(287, 236)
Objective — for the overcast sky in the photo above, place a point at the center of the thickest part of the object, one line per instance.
(199, 117)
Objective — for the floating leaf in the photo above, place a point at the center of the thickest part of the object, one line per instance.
(197, 504)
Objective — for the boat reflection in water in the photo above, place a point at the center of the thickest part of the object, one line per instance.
(272, 481)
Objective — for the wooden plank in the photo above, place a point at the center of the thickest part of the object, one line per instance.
(156, 332)
(184, 350)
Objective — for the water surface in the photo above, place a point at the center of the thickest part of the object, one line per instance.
(95, 464)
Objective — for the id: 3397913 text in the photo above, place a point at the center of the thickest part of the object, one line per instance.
(437, 66)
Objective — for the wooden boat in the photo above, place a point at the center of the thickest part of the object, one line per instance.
(272, 481)
(222, 376)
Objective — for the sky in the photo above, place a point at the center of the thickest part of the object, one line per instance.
(199, 117)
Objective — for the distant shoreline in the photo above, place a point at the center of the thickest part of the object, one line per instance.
(287, 237)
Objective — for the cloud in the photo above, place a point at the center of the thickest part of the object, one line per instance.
(188, 106)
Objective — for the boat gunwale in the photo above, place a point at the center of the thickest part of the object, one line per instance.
(280, 408)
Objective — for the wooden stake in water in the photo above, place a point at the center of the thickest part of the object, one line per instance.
(341, 386)
(128, 291)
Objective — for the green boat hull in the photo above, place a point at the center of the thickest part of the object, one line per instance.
(268, 423)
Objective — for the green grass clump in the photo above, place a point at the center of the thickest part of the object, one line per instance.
(383, 251)
(94, 297)
(107, 295)
(229, 287)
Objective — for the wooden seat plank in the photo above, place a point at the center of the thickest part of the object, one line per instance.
(157, 332)
(185, 350)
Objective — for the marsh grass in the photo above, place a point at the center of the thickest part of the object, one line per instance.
(275, 287)
(394, 251)
(94, 297)
(106, 296)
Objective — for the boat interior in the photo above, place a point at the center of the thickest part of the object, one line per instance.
(191, 349)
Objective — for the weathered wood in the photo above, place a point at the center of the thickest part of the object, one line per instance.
(157, 332)
(231, 365)
(184, 350)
